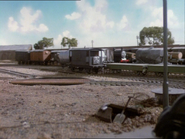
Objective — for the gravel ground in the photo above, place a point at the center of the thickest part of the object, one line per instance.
(63, 112)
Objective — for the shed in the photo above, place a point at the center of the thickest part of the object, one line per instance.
(7, 52)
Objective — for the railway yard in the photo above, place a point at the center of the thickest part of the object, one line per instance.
(43, 111)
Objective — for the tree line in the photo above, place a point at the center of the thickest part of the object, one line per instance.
(154, 36)
(47, 42)
(147, 36)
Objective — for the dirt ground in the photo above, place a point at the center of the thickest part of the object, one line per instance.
(63, 112)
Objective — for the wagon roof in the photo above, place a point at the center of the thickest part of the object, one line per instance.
(85, 49)
(150, 49)
(15, 47)
(178, 48)
(56, 51)
(39, 50)
(22, 50)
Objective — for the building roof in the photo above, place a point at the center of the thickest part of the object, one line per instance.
(15, 47)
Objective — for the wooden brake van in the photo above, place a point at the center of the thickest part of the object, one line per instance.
(89, 59)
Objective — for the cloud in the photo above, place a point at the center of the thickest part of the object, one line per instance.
(42, 28)
(12, 24)
(67, 34)
(95, 23)
(123, 23)
(73, 16)
(58, 40)
(28, 21)
(172, 19)
(101, 5)
(140, 2)
(3, 42)
(157, 15)
(93, 18)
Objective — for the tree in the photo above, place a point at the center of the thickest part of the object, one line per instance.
(69, 42)
(154, 36)
(45, 42)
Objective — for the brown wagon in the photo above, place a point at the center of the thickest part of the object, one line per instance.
(40, 57)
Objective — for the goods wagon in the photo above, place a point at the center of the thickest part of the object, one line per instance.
(90, 59)
(64, 57)
(40, 56)
(178, 49)
(108, 55)
(177, 55)
(149, 55)
(54, 57)
(22, 57)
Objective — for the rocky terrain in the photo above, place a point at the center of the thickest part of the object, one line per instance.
(63, 112)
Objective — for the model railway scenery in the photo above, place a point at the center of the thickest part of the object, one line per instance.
(43, 77)
(76, 69)
(139, 60)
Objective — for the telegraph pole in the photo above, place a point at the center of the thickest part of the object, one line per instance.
(92, 43)
(165, 61)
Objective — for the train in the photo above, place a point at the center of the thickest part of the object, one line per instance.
(89, 59)
(96, 59)
(149, 55)
(37, 57)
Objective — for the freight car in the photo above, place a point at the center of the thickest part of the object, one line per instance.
(155, 55)
(54, 57)
(177, 55)
(90, 59)
(37, 57)
(93, 59)
(149, 55)
(82, 58)
(41, 57)
(64, 57)
(22, 56)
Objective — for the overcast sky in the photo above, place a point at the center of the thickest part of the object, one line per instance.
(106, 22)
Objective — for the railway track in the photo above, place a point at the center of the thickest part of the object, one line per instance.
(133, 79)
(20, 74)
(136, 81)
(143, 82)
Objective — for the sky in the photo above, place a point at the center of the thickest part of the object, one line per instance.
(104, 22)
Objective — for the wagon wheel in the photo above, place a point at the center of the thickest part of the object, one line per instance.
(160, 74)
(96, 70)
(138, 73)
(88, 71)
(144, 73)
(113, 71)
(46, 63)
(80, 69)
(72, 69)
(156, 73)
(118, 71)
